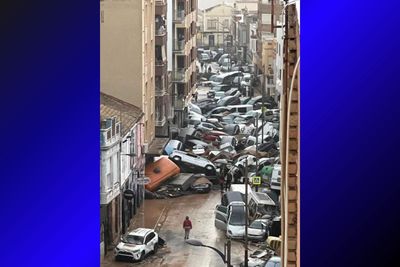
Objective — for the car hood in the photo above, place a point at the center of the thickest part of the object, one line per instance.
(236, 229)
(254, 231)
(129, 247)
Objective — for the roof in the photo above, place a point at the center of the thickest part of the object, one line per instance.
(126, 113)
(140, 231)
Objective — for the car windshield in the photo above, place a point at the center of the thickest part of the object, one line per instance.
(133, 239)
(257, 225)
(218, 79)
(238, 216)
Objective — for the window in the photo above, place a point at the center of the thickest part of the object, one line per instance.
(242, 110)
(149, 237)
(266, 19)
(212, 24)
(225, 23)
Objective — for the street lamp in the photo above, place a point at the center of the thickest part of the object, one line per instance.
(227, 260)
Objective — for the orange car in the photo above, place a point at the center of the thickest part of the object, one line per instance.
(160, 171)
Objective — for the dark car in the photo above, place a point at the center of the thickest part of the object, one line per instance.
(228, 100)
(221, 87)
(269, 102)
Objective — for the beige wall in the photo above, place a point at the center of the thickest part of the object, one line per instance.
(127, 55)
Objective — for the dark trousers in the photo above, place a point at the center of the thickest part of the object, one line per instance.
(187, 232)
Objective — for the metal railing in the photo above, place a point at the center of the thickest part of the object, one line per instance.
(179, 75)
(160, 31)
(179, 15)
(179, 45)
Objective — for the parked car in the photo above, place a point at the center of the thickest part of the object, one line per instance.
(172, 145)
(204, 57)
(211, 126)
(244, 100)
(198, 150)
(217, 88)
(276, 178)
(258, 230)
(233, 92)
(230, 215)
(273, 262)
(218, 110)
(137, 244)
(193, 162)
(228, 100)
(202, 185)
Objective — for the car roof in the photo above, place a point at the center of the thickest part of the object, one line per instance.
(141, 231)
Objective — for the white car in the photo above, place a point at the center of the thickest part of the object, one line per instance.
(193, 162)
(137, 244)
(258, 230)
(276, 178)
(198, 150)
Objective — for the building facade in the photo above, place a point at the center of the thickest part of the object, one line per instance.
(162, 93)
(290, 136)
(127, 55)
(216, 27)
(122, 163)
(110, 138)
(182, 54)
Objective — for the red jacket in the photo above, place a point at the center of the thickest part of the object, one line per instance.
(187, 224)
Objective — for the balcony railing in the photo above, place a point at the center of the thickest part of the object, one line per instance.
(179, 102)
(179, 45)
(179, 15)
(160, 31)
(179, 75)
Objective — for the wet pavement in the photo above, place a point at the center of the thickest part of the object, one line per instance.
(166, 216)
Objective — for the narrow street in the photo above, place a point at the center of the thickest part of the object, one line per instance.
(167, 215)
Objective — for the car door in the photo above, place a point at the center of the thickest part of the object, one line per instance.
(149, 241)
(221, 217)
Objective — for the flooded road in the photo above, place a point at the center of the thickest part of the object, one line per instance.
(166, 216)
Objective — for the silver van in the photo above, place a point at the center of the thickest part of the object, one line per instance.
(230, 216)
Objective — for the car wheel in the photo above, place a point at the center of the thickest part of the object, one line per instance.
(142, 256)
(176, 158)
(155, 248)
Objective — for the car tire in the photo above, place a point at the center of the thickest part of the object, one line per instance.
(142, 256)
(176, 158)
(155, 248)
(209, 168)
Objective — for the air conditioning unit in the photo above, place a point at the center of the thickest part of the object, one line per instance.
(145, 148)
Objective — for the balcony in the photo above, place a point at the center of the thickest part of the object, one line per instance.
(161, 7)
(179, 46)
(161, 67)
(180, 75)
(179, 15)
(161, 36)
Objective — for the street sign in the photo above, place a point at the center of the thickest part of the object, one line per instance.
(129, 194)
(256, 180)
(143, 180)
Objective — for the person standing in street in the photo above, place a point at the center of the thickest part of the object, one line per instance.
(187, 225)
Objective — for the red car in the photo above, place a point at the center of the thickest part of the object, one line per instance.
(212, 135)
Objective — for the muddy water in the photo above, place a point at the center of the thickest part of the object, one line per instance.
(167, 215)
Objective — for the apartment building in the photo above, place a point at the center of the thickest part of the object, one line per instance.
(216, 25)
(182, 54)
(162, 81)
(127, 44)
(269, 12)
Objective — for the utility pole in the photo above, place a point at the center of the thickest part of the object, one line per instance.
(246, 249)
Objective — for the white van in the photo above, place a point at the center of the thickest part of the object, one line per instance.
(242, 109)
(276, 177)
(259, 203)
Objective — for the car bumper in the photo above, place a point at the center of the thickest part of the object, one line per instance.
(122, 255)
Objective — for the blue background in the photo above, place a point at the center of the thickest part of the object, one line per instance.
(349, 133)
(50, 121)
